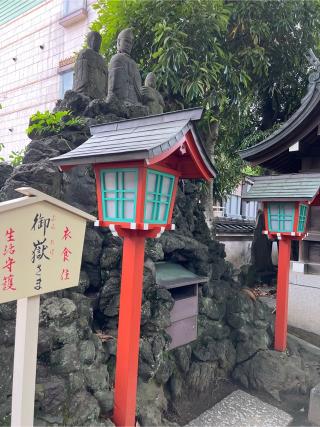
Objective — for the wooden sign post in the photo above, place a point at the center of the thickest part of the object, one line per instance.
(41, 242)
(25, 361)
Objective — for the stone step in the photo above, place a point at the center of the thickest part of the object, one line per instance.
(240, 409)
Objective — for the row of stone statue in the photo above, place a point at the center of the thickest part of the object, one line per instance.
(120, 82)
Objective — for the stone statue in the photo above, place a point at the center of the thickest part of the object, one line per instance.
(124, 84)
(90, 71)
(151, 97)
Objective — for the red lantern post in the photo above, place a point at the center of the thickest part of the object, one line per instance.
(137, 165)
(129, 328)
(285, 221)
(281, 324)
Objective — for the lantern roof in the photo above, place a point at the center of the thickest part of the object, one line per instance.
(151, 138)
(288, 187)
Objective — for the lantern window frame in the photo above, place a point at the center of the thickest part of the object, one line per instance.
(156, 197)
(117, 192)
(303, 213)
(281, 217)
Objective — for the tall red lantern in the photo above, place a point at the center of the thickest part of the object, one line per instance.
(286, 204)
(137, 165)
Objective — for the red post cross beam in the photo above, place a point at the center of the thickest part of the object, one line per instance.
(136, 184)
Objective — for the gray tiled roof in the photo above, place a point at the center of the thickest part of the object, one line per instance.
(171, 275)
(296, 186)
(294, 129)
(234, 226)
(135, 139)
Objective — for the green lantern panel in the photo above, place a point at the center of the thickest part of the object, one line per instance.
(158, 197)
(302, 218)
(281, 217)
(119, 194)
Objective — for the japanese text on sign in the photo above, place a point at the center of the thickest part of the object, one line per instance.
(38, 253)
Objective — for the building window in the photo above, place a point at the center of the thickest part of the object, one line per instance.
(250, 210)
(119, 194)
(66, 82)
(233, 206)
(70, 6)
(158, 197)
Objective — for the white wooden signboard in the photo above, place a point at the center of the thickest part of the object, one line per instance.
(41, 243)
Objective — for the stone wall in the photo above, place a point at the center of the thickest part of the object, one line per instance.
(78, 327)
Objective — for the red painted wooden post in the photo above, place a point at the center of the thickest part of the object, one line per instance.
(281, 325)
(129, 329)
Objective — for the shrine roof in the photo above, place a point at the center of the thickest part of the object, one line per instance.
(294, 187)
(143, 138)
(171, 275)
(273, 151)
(233, 226)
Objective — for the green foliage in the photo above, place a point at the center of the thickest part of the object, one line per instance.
(16, 157)
(1, 148)
(249, 170)
(243, 61)
(258, 135)
(52, 123)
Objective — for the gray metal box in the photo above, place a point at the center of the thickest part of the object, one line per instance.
(183, 286)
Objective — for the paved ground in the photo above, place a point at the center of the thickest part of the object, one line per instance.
(240, 409)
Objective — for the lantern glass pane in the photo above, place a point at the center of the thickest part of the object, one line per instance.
(151, 182)
(110, 195)
(166, 185)
(128, 208)
(111, 208)
(129, 180)
(162, 213)
(148, 213)
(281, 217)
(129, 195)
(158, 197)
(303, 209)
(110, 180)
(119, 194)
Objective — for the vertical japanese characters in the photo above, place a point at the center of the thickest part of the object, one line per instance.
(40, 248)
(65, 274)
(9, 251)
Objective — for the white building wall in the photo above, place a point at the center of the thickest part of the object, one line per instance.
(29, 79)
(238, 250)
(304, 301)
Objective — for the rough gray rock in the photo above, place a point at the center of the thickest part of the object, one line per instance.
(79, 189)
(73, 101)
(202, 375)
(151, 404)
(272, 372)
(83, 409)
(5, 171)
(43, 176)
(92, 246)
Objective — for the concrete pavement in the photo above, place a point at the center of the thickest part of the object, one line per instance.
(240, 409)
